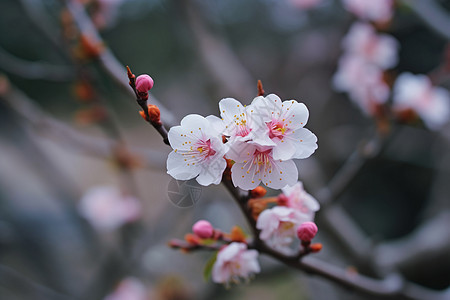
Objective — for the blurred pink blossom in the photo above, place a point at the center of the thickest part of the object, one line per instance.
(372, 10)
(278, 226)
(107, 208)
(203, 229)
(234, 262)
(362, 81)
(378, 49)
(300, 200)
(129, 289)
(416, 92)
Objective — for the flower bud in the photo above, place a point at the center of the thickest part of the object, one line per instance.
(203, 229)
(307, 231)
(144, 83)
(258, 192)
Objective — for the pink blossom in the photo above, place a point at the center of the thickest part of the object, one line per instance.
(372, 10)
(285, 121)
(203, 229)
(129, 289)
(362, 81)
(235, 262)
(278, 226)
(307, 231)
(107, 208)
(144, 83)
(416, 92)
(299, 199)
(197, 151)
(378, 49)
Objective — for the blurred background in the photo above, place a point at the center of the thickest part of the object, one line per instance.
(70, 126)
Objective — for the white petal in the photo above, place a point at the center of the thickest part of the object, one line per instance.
(216, 123)
(305, 143)
(295, 114)
(212, 172)
(179, 169)
(240, 151)
(284, 149)
(243, 176)
(283, 173)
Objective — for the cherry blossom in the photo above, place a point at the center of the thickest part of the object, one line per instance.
(198, 151)
(254, 163)
(298, 199)
(372, 10)
(416, 92)
(107, 208)
(233, 262)
(362, 81)
(240, 123)
(378, 49)
(285, 121)
(129, 289)
(278, 226)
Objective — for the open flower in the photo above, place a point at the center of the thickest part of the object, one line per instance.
(240, 123)
(198, 151)
(378, 49)
(416, 92)
(298, 199)
(285, 121)
(278, 226)
(372, 10)
(254, 163)
(233, 262)
(107, 208)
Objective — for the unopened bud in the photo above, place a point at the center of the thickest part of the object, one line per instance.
(258, 192)
(307, 231)
(154, 113)
(203, 229)
(144, 83)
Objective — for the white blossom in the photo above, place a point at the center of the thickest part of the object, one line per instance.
(233, 262)
(198, 151)
(416, 92)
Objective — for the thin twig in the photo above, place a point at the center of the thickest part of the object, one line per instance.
(106, 58)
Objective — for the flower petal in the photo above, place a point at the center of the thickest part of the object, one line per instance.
(180, 169)
(305, 143)
(212, 174)
(283, 173)
(243, 175)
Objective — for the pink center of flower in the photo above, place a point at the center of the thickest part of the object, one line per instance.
(263, 161)
(204, 149)
(276, 129)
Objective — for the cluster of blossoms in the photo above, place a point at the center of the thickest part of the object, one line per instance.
(281, 227)
(367, 55)
(260, 139)
(107, 208)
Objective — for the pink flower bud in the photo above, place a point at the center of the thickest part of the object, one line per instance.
(144, 83)
(307, 231)
(203, 229)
